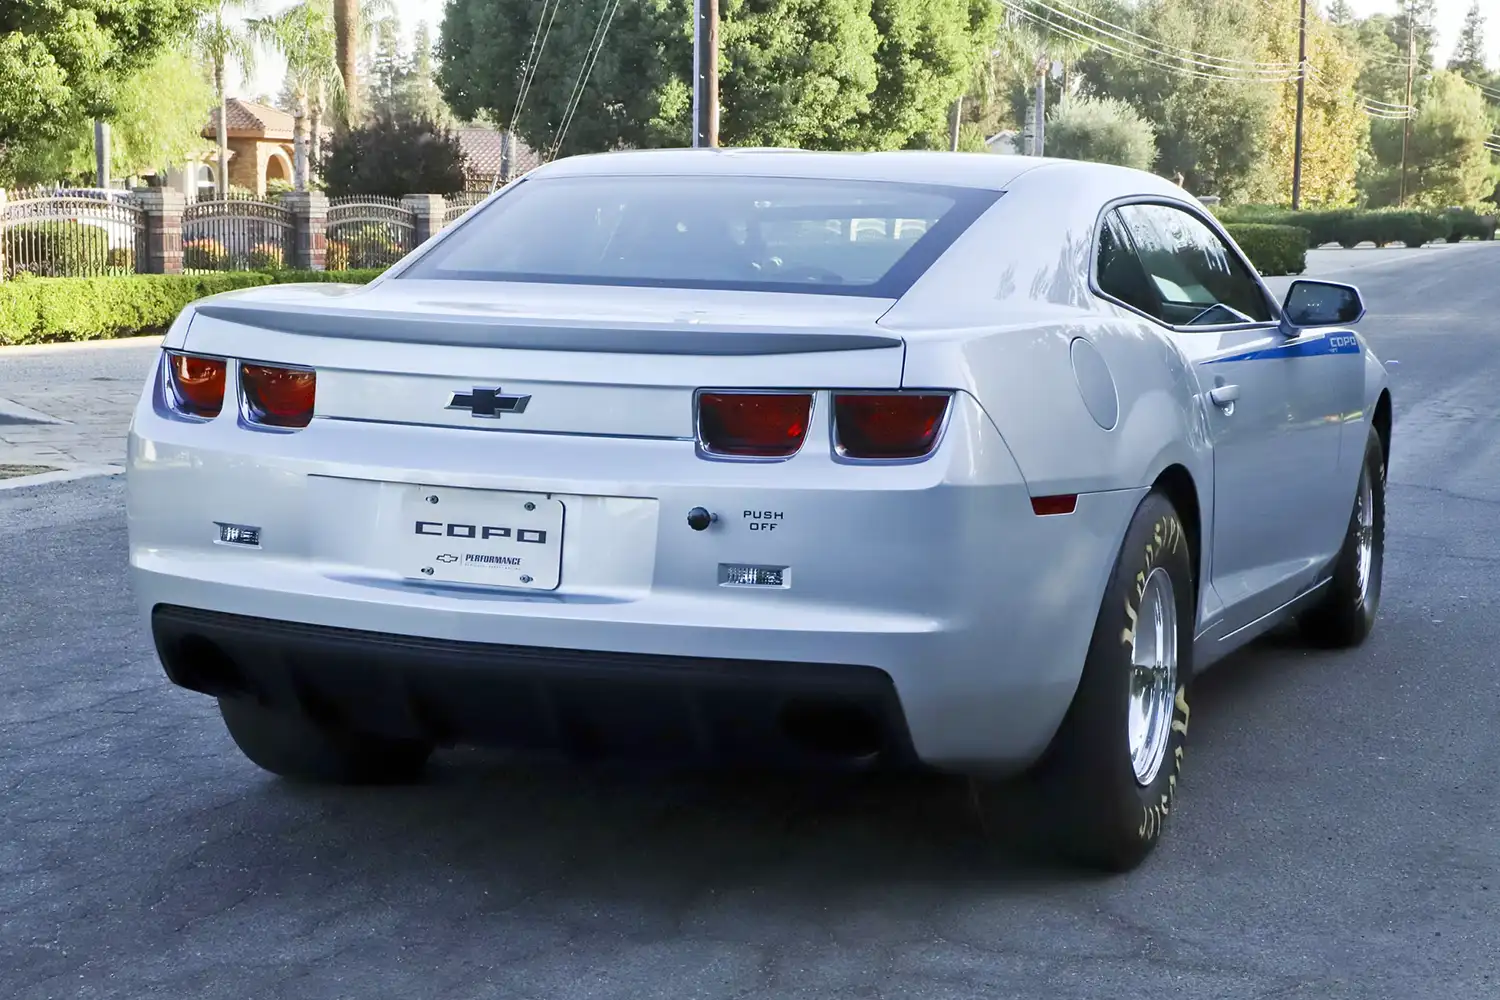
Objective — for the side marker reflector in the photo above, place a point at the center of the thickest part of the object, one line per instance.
(1062, 503)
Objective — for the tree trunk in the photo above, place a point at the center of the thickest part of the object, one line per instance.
(346, 39)
(316, 139)
(299, 144)
(222, 179)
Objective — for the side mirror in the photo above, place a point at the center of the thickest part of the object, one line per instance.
(1321, 303)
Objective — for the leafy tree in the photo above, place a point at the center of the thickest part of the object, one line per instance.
(65, 62)
(1210, 125)
(1340, 13)
(1447, 163)
(1103, 130)
(1334, 127)
(157, 121)
(401, 84)
(394, 157)
(1469, 53)
(829, 74)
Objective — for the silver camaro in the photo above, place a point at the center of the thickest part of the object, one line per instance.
(968, 463)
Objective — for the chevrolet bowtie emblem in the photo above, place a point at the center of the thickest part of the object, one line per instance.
(482, 402)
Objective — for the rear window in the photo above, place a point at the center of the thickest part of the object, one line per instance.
(837, 237)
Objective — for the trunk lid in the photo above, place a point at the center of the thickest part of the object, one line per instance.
(586, 359)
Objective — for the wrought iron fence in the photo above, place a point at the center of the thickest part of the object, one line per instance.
(455, 205)
(71, 232)
(366, 231)
(237, 233)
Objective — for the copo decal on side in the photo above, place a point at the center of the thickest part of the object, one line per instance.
(482, 532)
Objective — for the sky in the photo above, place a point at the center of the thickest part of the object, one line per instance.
(267, 79)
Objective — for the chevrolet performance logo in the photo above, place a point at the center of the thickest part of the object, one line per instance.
(482, 402)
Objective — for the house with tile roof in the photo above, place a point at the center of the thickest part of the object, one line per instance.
(484, 156)
(261, 151)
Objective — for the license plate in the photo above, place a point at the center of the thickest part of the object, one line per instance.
(481, 537)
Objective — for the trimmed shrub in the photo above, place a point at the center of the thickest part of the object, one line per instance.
(49, 310)
(267, 257)
(56, 249)
(1351, 227)
(1465, 223)
(204, 255)
(1274, 250)
(1101, 130)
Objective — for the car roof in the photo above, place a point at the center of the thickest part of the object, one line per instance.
(987, 171)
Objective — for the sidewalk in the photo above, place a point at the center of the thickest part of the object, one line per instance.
(68, 407)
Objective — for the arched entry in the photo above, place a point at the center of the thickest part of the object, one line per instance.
(278, 168)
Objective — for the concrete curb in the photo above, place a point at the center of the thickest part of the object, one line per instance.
(60, 476)
(20, 350)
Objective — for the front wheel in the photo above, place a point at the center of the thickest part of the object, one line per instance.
(1102, 793)
(1345, 615)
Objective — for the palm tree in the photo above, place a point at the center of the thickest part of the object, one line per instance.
(304, 36)
(346, 24)
(355, 23)
(219, 42)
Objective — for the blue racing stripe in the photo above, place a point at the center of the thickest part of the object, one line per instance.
(1312, 347)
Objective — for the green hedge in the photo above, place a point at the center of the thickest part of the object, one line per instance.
(1274, 250)
(54, 310)
(1350, 227)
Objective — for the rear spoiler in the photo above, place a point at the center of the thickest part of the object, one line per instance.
(700, 339)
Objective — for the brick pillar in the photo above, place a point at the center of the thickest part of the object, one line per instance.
(429, 214)
(309, 229)
(163, 208)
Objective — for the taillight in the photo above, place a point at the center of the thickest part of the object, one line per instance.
(888, 425)
(278, 397)
(196, 383)
(753, 424)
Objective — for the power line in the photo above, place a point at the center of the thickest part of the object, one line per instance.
(1139, 57)
(1157, 45)
(1275, 72)
(585, 70)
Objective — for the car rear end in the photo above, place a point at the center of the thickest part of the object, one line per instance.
(614, 516)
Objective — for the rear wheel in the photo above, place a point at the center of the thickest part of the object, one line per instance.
(1102, 793)
(1346, 613)
(292, 745)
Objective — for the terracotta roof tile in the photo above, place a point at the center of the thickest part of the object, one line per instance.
(482, 147)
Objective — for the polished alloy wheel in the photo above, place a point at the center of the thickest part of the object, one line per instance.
(1153, 677)
(1364, 538)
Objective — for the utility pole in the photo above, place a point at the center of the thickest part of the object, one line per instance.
(955, 124)
(1411, 69)
(1039, 134)
(705, 73)
(1301, 108)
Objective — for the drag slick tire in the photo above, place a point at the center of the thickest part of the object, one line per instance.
(292, 745)
(1345, 615)
(1101, 794)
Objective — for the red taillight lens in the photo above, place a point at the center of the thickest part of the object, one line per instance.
(197, 384)
(753, 424)
(888, 426)
(279, 397)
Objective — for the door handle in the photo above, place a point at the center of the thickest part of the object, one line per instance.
(1224, 395)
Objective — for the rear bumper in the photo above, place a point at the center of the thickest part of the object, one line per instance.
(933, 582)
(584, 702)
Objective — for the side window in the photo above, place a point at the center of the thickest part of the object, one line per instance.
(1192, 270)
(1120, 274)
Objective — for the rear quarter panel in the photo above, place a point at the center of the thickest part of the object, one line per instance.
(998, 316)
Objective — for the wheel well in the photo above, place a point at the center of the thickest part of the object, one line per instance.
(1382, 424)
(1177, 483)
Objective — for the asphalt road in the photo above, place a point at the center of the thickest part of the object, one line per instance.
(1336, 835)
